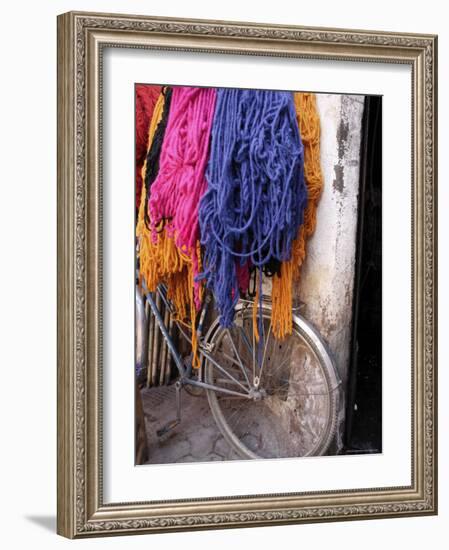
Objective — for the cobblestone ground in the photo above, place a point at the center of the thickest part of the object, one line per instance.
(196, 439)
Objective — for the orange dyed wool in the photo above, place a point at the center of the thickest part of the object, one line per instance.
(282, 285)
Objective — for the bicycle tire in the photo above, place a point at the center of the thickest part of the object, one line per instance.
(310, 339)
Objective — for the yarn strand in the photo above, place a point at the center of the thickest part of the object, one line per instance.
(282, 287)
(256, 195)
(180, 183)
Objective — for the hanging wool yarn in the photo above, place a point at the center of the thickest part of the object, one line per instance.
(282, 285)
(309, 124)
(151, 167)
(256, 194)
(148, 268)
(160, 261)
(180, 183)
(174, 199)
(146, 97)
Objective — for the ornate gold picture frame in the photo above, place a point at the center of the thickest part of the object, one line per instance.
(82, 39)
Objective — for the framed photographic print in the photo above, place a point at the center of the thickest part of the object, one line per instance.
(246, 274)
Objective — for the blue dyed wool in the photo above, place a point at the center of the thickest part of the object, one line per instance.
(256, 194)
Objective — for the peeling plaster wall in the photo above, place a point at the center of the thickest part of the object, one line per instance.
(327, 277)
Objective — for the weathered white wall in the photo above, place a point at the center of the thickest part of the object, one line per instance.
(327, 277)
(328, 271)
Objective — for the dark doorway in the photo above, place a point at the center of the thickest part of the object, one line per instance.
(364, 392)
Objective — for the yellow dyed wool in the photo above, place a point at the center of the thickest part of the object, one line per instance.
(282, 285)
(161, 261)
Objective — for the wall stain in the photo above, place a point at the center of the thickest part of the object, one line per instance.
(342, 141)
(338, 183)
(342, 135)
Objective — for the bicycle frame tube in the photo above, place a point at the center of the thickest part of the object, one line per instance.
(182, 369)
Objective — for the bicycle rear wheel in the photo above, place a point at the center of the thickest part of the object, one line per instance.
(293, 388)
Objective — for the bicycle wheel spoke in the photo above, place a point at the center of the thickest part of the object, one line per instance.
(314, 393)
(238, 421)
(239, 359)
(226, 397)
(278, 367)
(235, 412)
(225, 381)
(231, 360)
(254, 355)
(293, 411)
(265, 352)
(245, 339)
(222, 370)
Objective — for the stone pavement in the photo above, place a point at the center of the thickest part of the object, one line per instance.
(196, 439)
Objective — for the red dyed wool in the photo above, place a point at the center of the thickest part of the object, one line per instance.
(146, 97)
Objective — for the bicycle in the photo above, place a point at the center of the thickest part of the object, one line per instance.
(274, 399)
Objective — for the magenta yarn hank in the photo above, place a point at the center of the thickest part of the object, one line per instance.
(181, 182)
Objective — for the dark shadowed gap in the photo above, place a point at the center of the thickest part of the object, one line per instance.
(363, 431)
